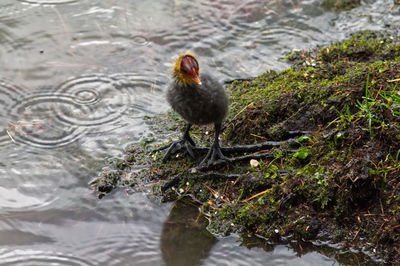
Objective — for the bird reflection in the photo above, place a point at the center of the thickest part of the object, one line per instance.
(185, 239)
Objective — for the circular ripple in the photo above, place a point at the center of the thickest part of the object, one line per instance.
(34, 123)
(140, 40)
(33, 257)
(54, 119)
(86, 96)
(10, 94)
(105, 99)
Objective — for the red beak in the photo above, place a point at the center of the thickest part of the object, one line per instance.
(195, 77)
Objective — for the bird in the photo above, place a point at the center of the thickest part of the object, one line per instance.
(200, 100)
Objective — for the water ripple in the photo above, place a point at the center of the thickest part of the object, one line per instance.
(74, 108)
(120, 244)
(48, 2)
(33, 121)
(226, 253)
(33, 257)
(9, 95)
(105, 98)
(25, 186)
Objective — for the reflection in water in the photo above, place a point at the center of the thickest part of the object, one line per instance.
(22, 238)
(185, 239)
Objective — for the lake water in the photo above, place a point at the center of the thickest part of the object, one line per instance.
(77, 78)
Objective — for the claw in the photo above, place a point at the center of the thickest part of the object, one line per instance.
(213, 154)
(175, 146)
(189, 149)
(215, 151)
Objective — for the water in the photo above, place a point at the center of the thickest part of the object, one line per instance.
(76, 80)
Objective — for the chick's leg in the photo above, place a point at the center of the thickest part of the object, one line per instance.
(215, 150)
(185, 142)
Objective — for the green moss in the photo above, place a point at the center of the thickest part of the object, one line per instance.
(340, 5)
(273, 100)
(347, 95)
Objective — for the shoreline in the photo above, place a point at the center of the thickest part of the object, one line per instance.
(338, 182)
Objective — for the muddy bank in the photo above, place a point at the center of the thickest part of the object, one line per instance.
(319, 156)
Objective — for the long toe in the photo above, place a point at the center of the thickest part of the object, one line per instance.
(213, 155)
(206, 157)
(189, 150)
(166, 146)
(177, 146)
(172, 149)
(190, 140)
(222, 156)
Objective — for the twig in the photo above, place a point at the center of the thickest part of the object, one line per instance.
(218, 175)
(257, 195)
(253, 147)
(8, 133)
(268, 155)
(382, 211)
(174, 180)
(294, 133)
(395, 227)
(354, 238)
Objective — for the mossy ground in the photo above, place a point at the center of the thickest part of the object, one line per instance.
(343, 181)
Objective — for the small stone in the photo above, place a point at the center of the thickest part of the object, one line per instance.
(254, 163)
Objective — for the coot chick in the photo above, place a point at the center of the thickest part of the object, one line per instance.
(199, 101)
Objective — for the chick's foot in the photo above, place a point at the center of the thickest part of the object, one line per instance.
(213, 154)
(185, 143)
